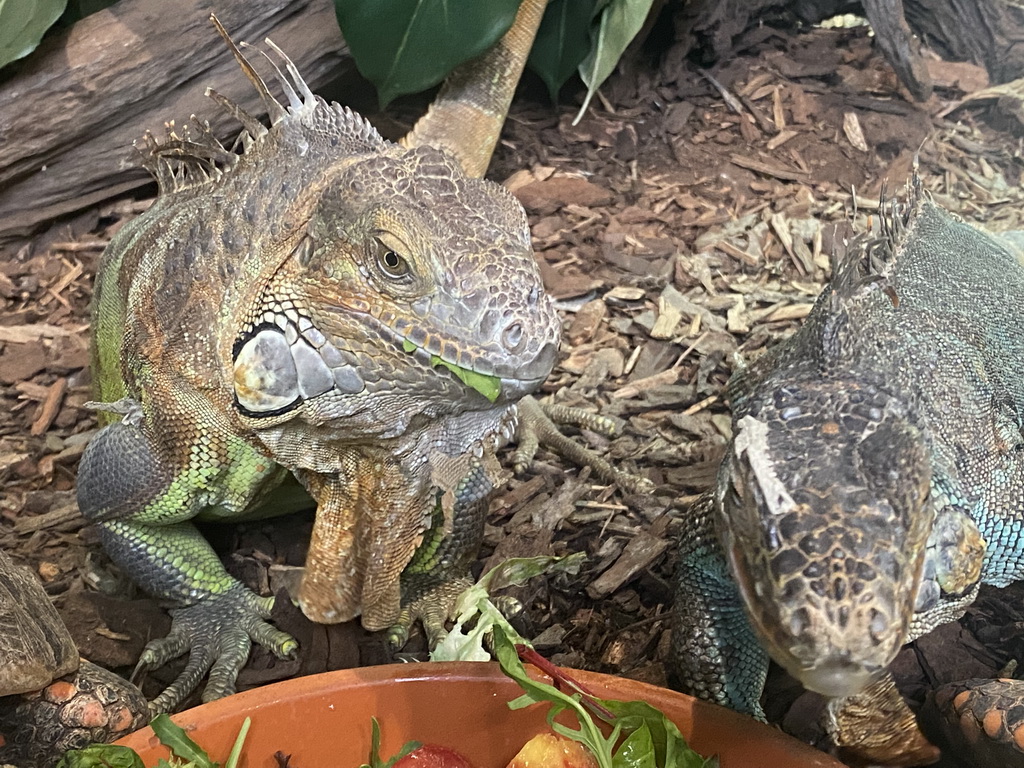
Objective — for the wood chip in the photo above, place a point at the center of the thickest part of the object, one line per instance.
(777, 113)
(670, 312)
(61, 516)
(767, 168)
(854, 133)
(791, 312)
(29, 334)
(626, 293)
(50, 407)
(736, 317)
(635, 388)
(728, 248)
(642, 550)
(586, 321)
(777, 141)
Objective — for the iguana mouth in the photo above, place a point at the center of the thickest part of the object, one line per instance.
(488, 386)
(285, 360)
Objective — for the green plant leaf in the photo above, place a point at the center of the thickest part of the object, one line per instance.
(101, 756)
(618, 24)
(22, 24)
(488, 386)
(636, 750)
(588, 733)
(236, 749)
(405, 46)
(173, 737)
(669, 745)
(562, 42)
(375, 760)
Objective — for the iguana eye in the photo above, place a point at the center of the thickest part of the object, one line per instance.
(390, 262)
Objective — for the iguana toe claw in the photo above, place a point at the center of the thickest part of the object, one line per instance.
(431, 606)
(538, 425)
(217, 633)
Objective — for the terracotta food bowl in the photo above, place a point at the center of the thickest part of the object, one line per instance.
(323, 721)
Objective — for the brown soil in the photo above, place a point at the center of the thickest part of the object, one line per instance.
(678, 225)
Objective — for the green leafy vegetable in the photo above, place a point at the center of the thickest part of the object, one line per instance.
(375, 760)
(488, 386)
(637, 750)
(588, 733)
(405, 46)
(173, 737)
(185, 752)
(101, 756)
(22, 24)
(651, 739)
(619, 23)
(477, 615)
(662, 747)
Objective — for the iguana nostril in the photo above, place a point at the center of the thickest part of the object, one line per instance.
(512, 336)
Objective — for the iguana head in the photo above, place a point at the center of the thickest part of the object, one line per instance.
(409, 290)
(823, 511)
(382, 286)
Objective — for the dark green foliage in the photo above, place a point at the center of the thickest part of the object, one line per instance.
(563, 41)
(405, 46)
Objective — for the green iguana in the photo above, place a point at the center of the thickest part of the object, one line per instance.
(874, 480)
(327, 304)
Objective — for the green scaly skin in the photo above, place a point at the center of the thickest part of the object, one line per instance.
(874, 481)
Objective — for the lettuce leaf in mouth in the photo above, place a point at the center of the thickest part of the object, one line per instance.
(488, 386)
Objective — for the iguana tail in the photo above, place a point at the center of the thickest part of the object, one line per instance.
(466, 117)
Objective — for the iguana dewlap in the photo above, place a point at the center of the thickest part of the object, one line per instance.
(325, 303)
(875, 478)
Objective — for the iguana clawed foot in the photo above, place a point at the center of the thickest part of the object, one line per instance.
(217, 633)
(431, 606)
(876, 727)
(538, 426)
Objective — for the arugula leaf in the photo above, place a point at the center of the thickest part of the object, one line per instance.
(652, 740)
(173, 737)
(474, 606)
(374, 759)
(588, 732)
(236, 748)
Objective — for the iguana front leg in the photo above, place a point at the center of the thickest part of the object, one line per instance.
(538, 425)
(142, 511)
(439, 571)
(715, 653)
(390, 551)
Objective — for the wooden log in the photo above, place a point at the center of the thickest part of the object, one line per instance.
(69, 117)
(987, 32)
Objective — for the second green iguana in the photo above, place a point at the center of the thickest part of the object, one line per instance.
(874, 481)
